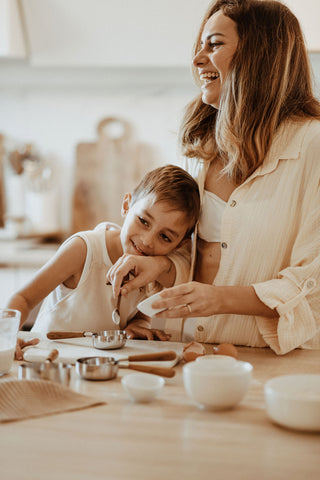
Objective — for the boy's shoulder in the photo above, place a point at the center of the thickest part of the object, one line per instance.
(107, 226)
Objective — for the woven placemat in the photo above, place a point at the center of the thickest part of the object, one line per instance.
(21, 399)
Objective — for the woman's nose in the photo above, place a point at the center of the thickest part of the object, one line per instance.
(199, 58)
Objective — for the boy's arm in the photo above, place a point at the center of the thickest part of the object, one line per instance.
(167, 270)
(65, 266)
(139, 327)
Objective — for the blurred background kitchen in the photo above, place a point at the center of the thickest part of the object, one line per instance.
(91, 96)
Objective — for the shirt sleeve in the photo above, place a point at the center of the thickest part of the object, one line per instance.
(295, 294)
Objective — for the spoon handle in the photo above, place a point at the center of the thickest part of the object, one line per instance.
(163, 372)
(52, 356)
(57, 335)
(170, 355)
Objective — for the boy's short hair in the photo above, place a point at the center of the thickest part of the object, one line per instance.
(174, 185)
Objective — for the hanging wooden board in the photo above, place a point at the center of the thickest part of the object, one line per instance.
(105, 170)
(2, 199)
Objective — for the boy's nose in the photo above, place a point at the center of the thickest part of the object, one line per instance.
(148, 239)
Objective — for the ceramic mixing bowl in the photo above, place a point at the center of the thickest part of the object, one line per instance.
(216, 385)
(293, 401)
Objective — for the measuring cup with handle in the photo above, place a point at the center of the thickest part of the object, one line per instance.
(106, 368)
(104, 340)
(47, 370)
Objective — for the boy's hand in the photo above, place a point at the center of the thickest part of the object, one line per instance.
(21, 344)
(144, 269)
(146, 333)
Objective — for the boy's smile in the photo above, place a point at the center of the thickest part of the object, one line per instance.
(150, 227)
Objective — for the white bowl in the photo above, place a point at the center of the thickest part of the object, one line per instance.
(142, 388)
(293, 401)
(145, 305)
(217, 359)
(216, 385)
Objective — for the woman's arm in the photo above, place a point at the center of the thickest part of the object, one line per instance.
(196, 299)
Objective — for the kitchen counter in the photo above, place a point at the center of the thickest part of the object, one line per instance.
(26, 253)
(167, 438)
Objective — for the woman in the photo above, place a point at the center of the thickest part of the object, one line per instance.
(252, 141)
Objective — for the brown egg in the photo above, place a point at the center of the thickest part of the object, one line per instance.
(226, 349)
(193, 350)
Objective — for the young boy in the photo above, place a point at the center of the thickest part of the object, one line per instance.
(159, 215)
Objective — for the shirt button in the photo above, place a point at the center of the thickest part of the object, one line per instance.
(233, 203)
(223, 245)
(200, 328)
(310, 283)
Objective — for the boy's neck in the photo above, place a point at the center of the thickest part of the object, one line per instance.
(113, 245)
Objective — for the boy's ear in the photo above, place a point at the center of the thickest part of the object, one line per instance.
(125, 204)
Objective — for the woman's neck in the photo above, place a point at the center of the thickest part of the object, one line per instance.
(218, 184)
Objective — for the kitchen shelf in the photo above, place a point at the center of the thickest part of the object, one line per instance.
(20, 74)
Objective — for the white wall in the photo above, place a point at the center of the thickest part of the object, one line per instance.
(56, 109)
(55, 118)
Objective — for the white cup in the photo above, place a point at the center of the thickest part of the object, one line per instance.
(9, 326)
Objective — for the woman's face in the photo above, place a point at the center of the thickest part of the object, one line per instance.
(219, 42)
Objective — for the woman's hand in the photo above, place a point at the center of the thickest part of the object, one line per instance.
(22, 344)
(196, 299)
(192, 299)
(146, 333)
(144, 270)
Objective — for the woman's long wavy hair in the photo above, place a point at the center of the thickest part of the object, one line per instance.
(269, 81)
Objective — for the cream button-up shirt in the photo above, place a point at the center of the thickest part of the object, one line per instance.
(270, 238)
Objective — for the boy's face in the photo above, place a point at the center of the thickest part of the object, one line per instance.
(151, 228)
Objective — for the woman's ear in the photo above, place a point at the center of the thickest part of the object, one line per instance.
(125, 204)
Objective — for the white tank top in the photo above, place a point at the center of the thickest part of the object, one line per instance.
(89, 306)
(212, 208)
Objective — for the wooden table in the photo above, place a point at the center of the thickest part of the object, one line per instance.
(167, 439)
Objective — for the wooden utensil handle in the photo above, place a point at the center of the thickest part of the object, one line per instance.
(163, 372)
(170, 355)
(52, 355)
(57, 335)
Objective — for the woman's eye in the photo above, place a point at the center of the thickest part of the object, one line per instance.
(143, 221)
(214, 44)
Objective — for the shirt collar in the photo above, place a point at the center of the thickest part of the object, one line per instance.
(286, 145)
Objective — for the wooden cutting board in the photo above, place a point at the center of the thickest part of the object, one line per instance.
(73, 348)
(105, 170)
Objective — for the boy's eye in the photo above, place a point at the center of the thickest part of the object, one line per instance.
(165, 238)
(143, 221)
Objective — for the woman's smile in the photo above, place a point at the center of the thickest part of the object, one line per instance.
(208, 77)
